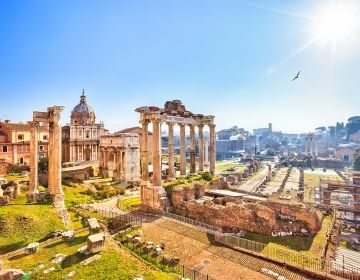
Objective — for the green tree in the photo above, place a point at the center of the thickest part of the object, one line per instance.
(43, 164)
(357, 160)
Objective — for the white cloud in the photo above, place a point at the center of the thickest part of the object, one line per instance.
(270, 71)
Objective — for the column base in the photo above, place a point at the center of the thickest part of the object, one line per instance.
(32, 196)
(154, 196)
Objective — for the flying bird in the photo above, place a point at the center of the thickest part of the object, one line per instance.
(296, 77)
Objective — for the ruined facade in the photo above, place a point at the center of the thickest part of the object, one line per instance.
(120, 156)
(173, 113)
(81, 137)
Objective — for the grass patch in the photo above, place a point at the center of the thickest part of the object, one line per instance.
(23, 224)
(46, 253)
(76, 194)
(114, 264)
(310, 246)
(206, 176)
(15, 177)
(81, 193)
(128, 203)
(223, 167)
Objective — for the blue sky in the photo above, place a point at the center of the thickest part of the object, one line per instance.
(220, 57)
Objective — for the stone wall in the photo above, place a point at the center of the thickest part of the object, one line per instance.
(78, 173)
(5, 167)
(234, 215)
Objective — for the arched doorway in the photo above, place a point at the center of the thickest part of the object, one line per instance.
(88, 154)
(111, 164)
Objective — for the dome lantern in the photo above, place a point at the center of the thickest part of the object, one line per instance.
(83, 113)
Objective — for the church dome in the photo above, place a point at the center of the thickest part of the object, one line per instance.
(83, 113)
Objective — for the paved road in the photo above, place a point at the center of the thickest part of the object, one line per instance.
(250, 184)
(110, 204)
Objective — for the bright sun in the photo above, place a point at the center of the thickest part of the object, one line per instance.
(335, 23)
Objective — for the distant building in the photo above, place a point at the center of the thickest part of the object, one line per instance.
(230, 145)
(258, 132)
(81, 137)
(15, 142)
(345, 152)
(225, 134)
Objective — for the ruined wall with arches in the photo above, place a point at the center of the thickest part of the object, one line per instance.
(120, 156)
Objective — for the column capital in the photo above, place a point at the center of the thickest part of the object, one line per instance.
(170, 124)
(54, 113)
(182, 125)
(212, 125)
(145, 121)
(34, 124)
(201, 125)
(155, 119)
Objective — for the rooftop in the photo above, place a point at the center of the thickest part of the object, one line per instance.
(20, 126)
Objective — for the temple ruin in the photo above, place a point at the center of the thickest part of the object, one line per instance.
(52, 117)
(173, 113)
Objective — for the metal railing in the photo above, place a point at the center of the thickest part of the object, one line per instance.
(126, 218)
(180, 269)
(292, 258)
(199, 225)
(193, 274)
(297, 259)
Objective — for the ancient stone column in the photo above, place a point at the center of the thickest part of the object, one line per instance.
(33, 182)
(192, 149)
(171, 161)
(206, 154)
(212, 148)
(55, 155)
(156, 152)
(144, 152)
(182, 150)
(201, 147)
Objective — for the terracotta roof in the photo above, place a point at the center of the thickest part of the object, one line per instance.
(19, 126)
(135, 129)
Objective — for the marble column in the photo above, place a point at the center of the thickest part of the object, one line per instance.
(201, 147)
(212, 148)
(192, 150)
(156, 152)
(206, 154)
(121, 165)
(55, 157)
(144, 152)
(34, 153)
(182, 150)
(171, 161)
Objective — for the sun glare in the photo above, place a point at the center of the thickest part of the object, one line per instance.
(335, 23)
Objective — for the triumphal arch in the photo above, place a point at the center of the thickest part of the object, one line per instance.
(173, 113)
(120, 157)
